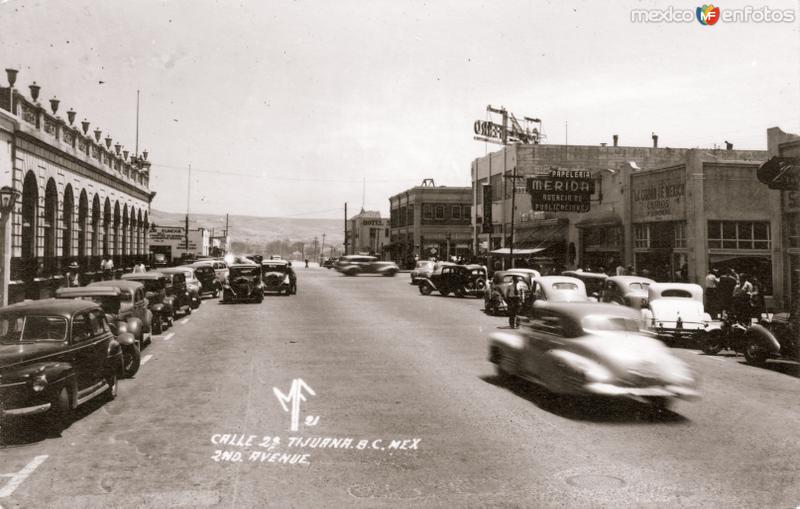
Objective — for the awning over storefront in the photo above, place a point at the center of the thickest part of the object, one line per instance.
(541, 234)
(607, 218)
(520, 252)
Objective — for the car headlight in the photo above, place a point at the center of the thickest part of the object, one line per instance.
(39, 383)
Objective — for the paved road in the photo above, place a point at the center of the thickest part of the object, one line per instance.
(412, 415)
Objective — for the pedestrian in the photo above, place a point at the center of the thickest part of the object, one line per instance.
(139, 267)
(306, 262)
(108, 268)
(515, 298)
(757, 301)
(727, 282)
(630, 271)
(712, 299)
(742, 294)
(72, 277)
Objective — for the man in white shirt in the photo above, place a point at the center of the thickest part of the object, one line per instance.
(712, 299)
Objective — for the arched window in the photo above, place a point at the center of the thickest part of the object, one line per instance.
(96, 233)
(106, 227)
(50, 216)
(139, 232)
(125, 246)
(67, 217)
(30, 216)
(83, 215)
(116, 230)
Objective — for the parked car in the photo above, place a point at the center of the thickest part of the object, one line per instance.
(192, 284)
(160, 301)
(780, 339)
(353, 265)
(278, 276)
(591, 349)
(121, 316)
(209, 284)
(184, 300)
(675, 310)
(328, 263)
(55, 355)
(244, 283)
(558, 289)
(628, 291)
(460, 280)
(594, 281)
(219, 266)
(134, 306)
(422, 270)
(494, 296)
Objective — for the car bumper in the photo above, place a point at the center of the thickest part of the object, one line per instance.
(25, 411)
(670, 391)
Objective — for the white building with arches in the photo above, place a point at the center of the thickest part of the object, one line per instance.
(81, 198)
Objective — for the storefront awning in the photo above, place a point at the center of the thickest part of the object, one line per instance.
(607, 218)
(541, 234)
(520, 252)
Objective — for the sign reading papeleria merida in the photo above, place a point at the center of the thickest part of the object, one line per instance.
(561, 191)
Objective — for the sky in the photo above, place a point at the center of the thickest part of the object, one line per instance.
(286, 108)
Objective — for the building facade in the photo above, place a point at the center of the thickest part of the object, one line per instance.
(80, 197)
(367, 233)
(171, 241)
(430, 221)
(672, 214)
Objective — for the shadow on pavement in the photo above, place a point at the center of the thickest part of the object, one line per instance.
(590, 409)
(779, 366)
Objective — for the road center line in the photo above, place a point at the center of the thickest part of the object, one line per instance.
(20, 476)
(169, 336)
(185, 321)
(146, 358)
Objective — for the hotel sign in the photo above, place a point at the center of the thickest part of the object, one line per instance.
(561, 191)
(781, 173)
(659, 196)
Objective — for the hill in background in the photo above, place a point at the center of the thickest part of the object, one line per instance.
(260, 230)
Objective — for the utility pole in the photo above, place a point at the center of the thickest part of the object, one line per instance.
(345, 228)
(322, 250)
(136, 149)
(188, 198)
(316, 244)
(227, 241)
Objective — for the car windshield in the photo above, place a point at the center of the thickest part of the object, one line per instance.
(247, 272)
(565, 287)
(274, 267)
(609, 323)
(32, 329)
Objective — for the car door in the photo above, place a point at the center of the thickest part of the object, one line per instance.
(543, 332)
(84, 350)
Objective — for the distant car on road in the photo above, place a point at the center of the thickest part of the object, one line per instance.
(328, 263)
(278, 276)
(55, 355)
(244, 284)
(592, 349)
(494, 296)
(185, 299)
(460, 280)
(353, 265)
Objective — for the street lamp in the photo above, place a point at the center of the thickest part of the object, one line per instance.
(8, 196)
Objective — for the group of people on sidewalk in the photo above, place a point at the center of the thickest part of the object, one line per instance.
(739, 295)
(72, 277)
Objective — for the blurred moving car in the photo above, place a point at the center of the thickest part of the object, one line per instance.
(278, 276)
(460, 280)
(594, 281)
(675, 311)
(628, 291)
(494, 299)
(592, 349)
(353, 265)
(55, 355)
(423, 269)
(160, 301)
(244, 283)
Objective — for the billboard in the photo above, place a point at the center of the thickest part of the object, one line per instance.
(561, 191)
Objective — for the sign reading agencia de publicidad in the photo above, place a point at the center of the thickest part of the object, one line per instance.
(561, 191)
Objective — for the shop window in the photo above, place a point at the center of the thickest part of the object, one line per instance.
(680, 234)
(641, 235)
(794, 230)
(456, 211)
(439, 211)
(497, 187)
(738, 235)
(427, 211)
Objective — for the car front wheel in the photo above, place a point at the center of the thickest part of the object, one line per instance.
(131, 358)
(60, 413)
(713, 342)
(425, 288)
(754, 354)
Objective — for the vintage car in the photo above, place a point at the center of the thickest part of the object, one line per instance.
(219, 266)
(591, 349)
(193, 284)
(494, 297)
(460, 280)
(675, 311)
(122, 315)
(207, 276)
(134, 306)
(422, 270)
(594, 282)
(628, 291)
(278, 276)
(184, 299)
(558, 289)
(55, 355)
(160, 300)
(328, 263)
(353, 265)
(244, 283)
(780, 339)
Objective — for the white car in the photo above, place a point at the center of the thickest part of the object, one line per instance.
(675, 310)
